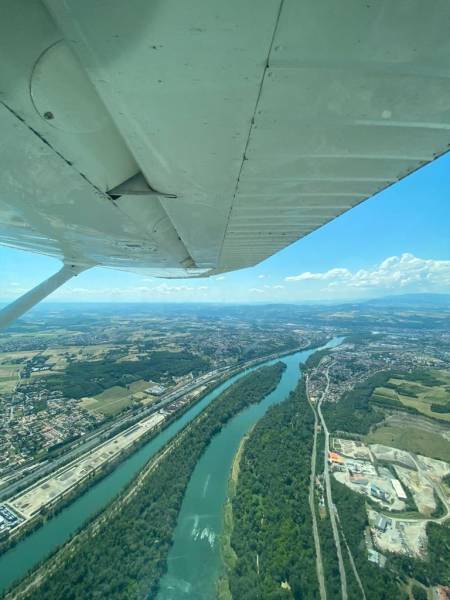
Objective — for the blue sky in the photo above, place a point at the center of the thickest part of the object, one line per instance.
(396, 242)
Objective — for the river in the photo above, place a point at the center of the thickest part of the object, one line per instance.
(15, 563)
(194, 562)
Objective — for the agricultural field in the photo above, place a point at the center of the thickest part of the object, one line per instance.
(60, 356)
(429, 393)
(109, 402)
(10, 365)
(411, 439)
(116, 398)
(8, 377)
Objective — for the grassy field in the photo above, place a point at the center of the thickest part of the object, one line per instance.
(139, 386)
(418, 395)
(109, 402)
(114, 399)
(8, 377)
(411, 439)
(386, 392)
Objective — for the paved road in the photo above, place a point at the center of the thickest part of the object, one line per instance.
(319, 561)
(331, 508)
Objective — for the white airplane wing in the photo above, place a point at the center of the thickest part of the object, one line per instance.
(190, 138)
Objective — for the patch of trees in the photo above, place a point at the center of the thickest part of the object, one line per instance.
(14, 361)
(353, 412)
(313, 361)
(360, 337)
(438, 564)
(424, 376)
(89, 378)
(441, 408)
(329, 556)
(253, 351)
(419, 593)
(127, 555)
(392, 403)
(272, 525)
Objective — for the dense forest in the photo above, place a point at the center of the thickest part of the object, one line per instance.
(88, 378)
(329, 556)
(126, 556)
(272, 527)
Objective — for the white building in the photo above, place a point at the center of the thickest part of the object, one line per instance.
(398, 489)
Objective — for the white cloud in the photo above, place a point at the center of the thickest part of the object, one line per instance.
(137, 292)
(395, 272)
(221, 278)
(266, 289)
(331, 274)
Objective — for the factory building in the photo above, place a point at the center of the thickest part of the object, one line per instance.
(398, 489)
(376, 492)
(382, 524)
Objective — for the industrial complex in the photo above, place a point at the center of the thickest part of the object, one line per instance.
(396, 483)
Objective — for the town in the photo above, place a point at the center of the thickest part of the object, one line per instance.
(48, 400)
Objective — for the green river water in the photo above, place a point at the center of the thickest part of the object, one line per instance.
(194, 560)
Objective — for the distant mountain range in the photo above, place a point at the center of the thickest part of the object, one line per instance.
(425, 300)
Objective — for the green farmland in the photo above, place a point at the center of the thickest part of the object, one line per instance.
(428, 392)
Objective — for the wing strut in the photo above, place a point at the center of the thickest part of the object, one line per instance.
(41, 291)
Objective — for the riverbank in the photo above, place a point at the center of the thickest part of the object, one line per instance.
(147, 509)
(228, 555)
(272, 537)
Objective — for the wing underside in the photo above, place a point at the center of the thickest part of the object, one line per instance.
(190, 138)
